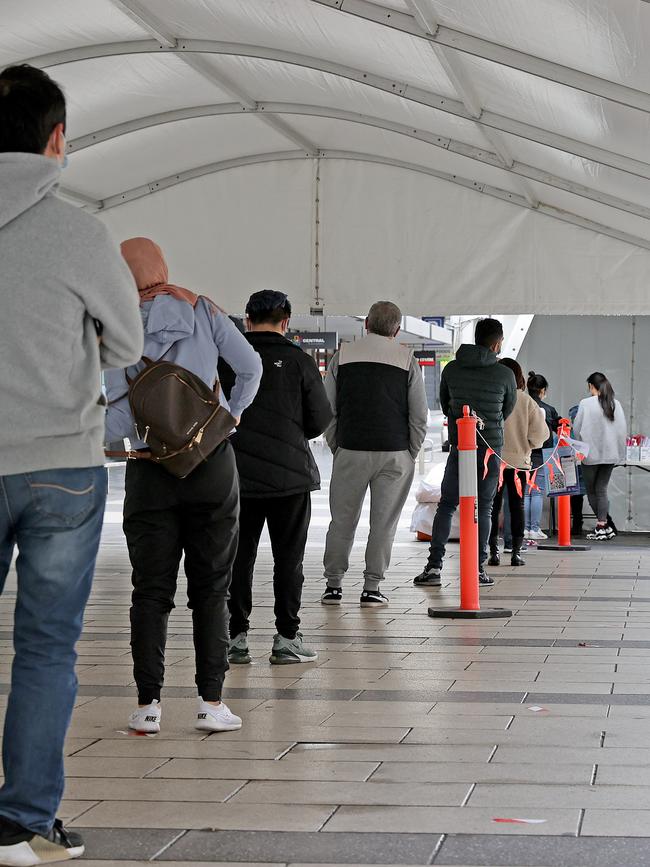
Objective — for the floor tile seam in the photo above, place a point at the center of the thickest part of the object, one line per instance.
(168, 845)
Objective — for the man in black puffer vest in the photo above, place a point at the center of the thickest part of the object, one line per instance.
(277, 472)
(376, 389)
(489, 389)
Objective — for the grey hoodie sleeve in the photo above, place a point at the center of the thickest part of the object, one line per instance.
(246, 364)
(418, 409)
(330, 389)
(111, 298)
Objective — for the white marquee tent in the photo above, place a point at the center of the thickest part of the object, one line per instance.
(455, 155)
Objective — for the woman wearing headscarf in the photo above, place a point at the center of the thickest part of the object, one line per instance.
(600, 422)
(525, 429)
(166, 517)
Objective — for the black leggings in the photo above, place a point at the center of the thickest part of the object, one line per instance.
(597, 478)
(516, 508)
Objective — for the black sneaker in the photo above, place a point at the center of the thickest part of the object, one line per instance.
(373, 599)
(430, 577)
(22, 848)
(484, 579)
(332, 596)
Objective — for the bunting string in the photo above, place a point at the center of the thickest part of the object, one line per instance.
(551, 462)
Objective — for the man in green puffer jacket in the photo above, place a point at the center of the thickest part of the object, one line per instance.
(474, 379)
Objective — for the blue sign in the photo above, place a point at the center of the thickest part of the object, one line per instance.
(435, 320)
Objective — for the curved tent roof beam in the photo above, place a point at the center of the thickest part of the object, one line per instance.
(488, 119)
(444, 142)
(281, 156)
(502, 55)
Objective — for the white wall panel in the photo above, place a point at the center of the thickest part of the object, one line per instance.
(227, 236)
(436, 246)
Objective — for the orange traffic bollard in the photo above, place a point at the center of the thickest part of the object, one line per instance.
(470, 607)
(563, 509)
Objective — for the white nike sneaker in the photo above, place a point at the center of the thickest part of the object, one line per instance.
(216, 718)
(146, 719)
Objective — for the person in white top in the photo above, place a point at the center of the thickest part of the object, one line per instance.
(600, 422)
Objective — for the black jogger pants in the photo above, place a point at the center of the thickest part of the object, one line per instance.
(287, 519)
(164, 518)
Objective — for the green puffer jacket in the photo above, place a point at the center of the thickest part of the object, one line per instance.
(476, 378)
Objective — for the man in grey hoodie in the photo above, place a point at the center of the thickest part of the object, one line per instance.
(68, 308)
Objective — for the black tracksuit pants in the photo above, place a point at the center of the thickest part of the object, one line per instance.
(164, 518)
(287, 519)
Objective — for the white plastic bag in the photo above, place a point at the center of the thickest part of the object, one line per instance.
(429, 488)
(422, 520)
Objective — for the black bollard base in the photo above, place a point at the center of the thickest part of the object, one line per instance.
(468, 614)
(553, 546)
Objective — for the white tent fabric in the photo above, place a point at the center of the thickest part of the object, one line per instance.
(455, 155)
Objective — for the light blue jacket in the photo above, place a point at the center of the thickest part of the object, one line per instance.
(198, 337)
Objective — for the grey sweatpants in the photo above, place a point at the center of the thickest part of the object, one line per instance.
(389, 476)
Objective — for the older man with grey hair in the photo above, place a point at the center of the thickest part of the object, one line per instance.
(376, 390)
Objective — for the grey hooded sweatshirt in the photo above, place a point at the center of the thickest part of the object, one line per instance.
(59, 271)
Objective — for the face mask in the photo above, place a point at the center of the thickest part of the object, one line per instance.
(64, 164)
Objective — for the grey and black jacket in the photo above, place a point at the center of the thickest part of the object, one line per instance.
(377, 394)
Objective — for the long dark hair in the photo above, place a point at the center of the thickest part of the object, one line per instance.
(605, 393)
(536, 384)
(515, 367)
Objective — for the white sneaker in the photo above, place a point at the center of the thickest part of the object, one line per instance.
(146, 719)
(216, 718)
(528, 534)
(538, 534)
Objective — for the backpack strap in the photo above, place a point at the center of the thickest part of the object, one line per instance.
(129, 379)
(130, 455)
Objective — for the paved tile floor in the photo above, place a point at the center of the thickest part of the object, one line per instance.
(518, 741)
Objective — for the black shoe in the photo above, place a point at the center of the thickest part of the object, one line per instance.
(516, 559)
(612, 525)
(18, 846)
(484, 579)
(430, 577)
(495, 559)
(373, 599)
(332, 596)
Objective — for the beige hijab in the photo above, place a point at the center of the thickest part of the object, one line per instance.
(148, 266)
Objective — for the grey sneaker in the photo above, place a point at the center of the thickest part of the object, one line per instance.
(289, 650)
(238, 653)
(430, 577)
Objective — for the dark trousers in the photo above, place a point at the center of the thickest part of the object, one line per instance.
(449, 502)
(287, 519)
(165, 517)
(516, 504)
(577, 502)
(597, 478)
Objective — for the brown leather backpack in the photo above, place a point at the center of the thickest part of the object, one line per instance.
(177, 415)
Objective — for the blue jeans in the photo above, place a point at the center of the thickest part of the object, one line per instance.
(449, 502)
(534, 503)
(54, 517)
